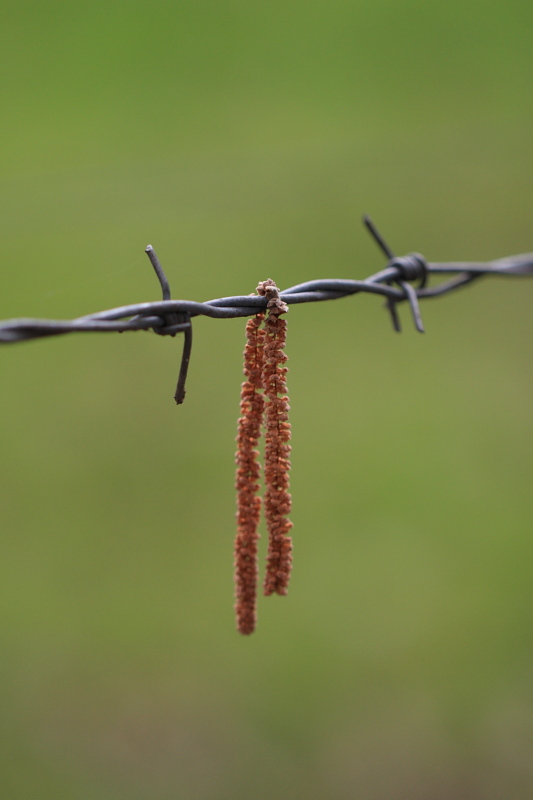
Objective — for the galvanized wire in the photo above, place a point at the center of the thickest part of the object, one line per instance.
(168, 317)
(153, 315)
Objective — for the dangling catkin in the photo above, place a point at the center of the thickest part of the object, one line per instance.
(247, 480)
(277, 449)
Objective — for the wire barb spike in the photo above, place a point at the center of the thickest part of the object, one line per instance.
(405, 269)
(159, 271)
(173, 322)
(378, 238)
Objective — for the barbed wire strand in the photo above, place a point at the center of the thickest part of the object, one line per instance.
(168, 317)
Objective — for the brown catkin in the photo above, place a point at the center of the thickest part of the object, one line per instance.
(247, 479)
(277, 448)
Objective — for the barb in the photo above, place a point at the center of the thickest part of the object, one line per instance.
(168, 317)
(410, 267)
(173, 322)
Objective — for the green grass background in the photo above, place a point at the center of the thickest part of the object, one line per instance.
(244, 140)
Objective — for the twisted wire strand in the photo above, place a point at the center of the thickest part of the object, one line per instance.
(157, 316)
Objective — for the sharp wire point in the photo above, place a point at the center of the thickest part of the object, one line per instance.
(179, 395)
(392, 308)
(159, 271)
(378, 238)
(413, 303)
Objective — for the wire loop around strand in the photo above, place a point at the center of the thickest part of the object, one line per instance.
(412, 267)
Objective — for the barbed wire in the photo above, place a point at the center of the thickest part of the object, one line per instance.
(168, 317)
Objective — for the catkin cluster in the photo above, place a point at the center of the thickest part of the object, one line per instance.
(264, 400)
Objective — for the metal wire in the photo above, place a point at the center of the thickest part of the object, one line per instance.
(168, 317)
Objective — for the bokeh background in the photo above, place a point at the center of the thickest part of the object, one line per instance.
(244, 140)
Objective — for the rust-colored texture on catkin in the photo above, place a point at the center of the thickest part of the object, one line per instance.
(277, 449)
(247, 481)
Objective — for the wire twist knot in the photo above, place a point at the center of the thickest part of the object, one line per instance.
(411, 267)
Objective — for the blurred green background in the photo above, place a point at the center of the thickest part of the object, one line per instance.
(244, 140)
